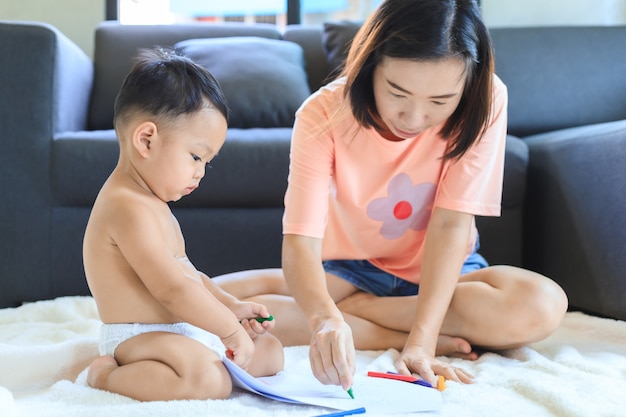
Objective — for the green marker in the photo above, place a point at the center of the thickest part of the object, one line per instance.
(350, 393)
(262, 319)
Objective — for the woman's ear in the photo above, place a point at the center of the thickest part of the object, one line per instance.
(144, 138)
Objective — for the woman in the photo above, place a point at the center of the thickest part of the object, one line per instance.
(389, 165)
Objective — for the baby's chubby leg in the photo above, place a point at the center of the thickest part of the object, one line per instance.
(161, 366)
(268, 358)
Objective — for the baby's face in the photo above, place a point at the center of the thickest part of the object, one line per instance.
(186, 149)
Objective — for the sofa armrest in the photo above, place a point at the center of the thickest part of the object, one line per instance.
(50, 77)
(501, 237)
(575, 217)
(45, 83)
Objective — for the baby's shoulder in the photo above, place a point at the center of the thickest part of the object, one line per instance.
(117, 203)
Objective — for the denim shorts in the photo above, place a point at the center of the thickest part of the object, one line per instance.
(367, 277)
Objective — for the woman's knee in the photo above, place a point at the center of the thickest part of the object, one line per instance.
(552, 302)
(540, 303)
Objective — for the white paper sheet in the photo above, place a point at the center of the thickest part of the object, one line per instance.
(375, 394)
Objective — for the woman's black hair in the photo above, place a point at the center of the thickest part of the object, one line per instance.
(164, 84)
(426, 30)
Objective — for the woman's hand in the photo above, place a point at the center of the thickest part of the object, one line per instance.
(332, 353)
(414, 360)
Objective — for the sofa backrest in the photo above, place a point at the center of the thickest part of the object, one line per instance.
(310, 38)
(560, 77)
(116, 45)
(557, 77)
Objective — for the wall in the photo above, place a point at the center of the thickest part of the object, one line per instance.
(500, 13)
(77, 19)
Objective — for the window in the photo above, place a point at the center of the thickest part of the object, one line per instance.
(279, 12)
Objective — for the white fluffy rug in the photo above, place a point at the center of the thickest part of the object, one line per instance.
(46, 346)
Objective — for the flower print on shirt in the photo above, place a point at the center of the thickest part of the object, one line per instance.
(407, 206)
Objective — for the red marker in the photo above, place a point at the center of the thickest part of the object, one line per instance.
(399, 377)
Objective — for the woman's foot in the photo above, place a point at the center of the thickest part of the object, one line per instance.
(384, 311)
(455, 347)
(99, 370)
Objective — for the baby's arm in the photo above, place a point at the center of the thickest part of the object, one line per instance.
(138, 232)
(246, 311)
(224, 297)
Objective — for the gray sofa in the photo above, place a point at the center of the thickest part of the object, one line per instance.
(564, 194)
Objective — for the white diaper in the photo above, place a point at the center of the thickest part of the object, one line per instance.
(111, 335)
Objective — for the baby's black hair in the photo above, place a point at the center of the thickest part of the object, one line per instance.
(165, 84)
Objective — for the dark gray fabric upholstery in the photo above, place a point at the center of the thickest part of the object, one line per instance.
(501, 237)
(250, 171)
(562, 202)
(308, 37)
(336, 39)
(560, 77)
(263, 79)
(34, 99)
(240, 175)
(115, 44)
(515, 167)
(575, 218)
(80, 163)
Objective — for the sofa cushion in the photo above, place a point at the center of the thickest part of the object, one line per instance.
(561, 77)
(249, 172)
(264, 80)
(116, 44)
(336, 40)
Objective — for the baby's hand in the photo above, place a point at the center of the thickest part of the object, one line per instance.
(257, 326)
(239, 348)
(254, 317)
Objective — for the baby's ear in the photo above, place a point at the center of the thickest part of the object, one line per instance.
(143, 138)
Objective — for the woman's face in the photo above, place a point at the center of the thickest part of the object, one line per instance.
(412, 96)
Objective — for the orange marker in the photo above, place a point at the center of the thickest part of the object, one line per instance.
(441, 383)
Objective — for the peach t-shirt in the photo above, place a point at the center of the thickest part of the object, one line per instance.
(371, 198)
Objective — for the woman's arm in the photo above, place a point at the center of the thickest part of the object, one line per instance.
(302, 265)
(444, 252)
(332, 348)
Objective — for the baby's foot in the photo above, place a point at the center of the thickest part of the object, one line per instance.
(455, 347)
(99, 370)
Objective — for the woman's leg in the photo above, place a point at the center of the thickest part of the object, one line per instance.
(503, 307)
(498, 307)
(246, 284)
(268, 287)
